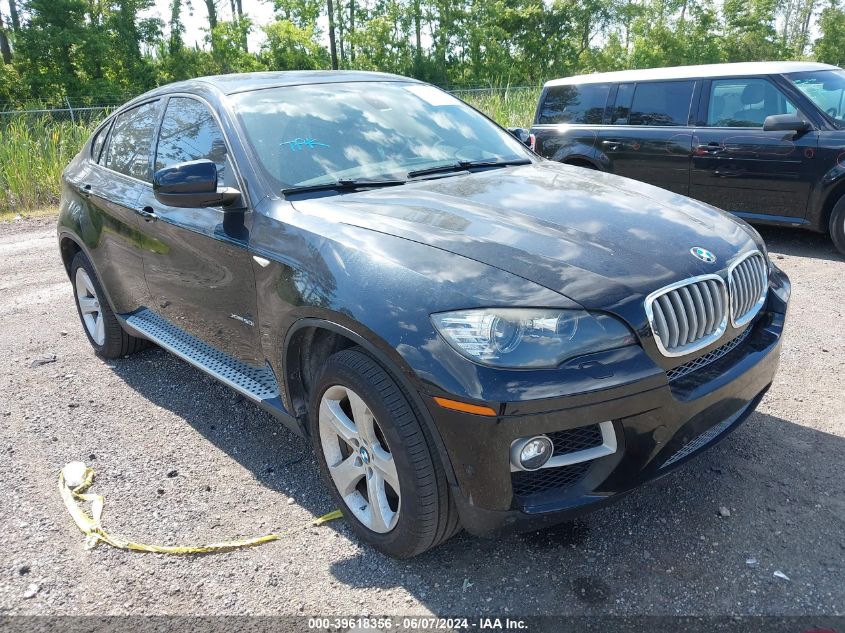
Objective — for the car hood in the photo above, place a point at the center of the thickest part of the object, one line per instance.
(595, 238)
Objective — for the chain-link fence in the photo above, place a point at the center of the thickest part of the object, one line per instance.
(510, 101)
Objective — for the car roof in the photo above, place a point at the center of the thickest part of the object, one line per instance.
(245, 82)
(693, 72)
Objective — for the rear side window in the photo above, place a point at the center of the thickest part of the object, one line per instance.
(100, 142)
(190, 132)
(132, 140)
(745, 102)
(661, 103)
(574, 104)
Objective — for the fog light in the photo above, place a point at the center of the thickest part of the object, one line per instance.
(533, 452)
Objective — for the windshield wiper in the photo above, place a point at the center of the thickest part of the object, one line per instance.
(463, 165)
(343, 184)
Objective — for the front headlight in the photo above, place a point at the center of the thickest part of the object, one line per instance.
(529, 338)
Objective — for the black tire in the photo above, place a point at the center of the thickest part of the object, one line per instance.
(837, 225)
(427, 514)
(117, 342)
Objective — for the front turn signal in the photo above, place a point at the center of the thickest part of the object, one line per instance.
(465, 407)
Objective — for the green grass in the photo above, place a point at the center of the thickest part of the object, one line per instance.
(33, 153)
(35, 150)
(509, 107)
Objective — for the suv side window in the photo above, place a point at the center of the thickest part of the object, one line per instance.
(745, 102)
(189, 132)
(100, 142)
(664, 103)
(131, 142)
(574, 104)
(622, 107)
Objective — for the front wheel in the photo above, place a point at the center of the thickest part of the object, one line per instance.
(837, 225)
(377, 459)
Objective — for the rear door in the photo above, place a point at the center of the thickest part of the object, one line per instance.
(567, 119)
(649, 137)
(739, 167)
(118, 172)
(199, 271)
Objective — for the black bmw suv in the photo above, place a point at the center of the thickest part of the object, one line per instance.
(468, 334)
(763, 140)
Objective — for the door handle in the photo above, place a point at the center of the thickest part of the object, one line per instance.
(147, 213)
(710, 148)
(612, 143)
(84, 190)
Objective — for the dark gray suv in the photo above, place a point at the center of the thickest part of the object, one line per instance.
(763, 140)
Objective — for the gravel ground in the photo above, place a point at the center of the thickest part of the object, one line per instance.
(181, 459)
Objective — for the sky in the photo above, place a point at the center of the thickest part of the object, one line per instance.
(196, 20)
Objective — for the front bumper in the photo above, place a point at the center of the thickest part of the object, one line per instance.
(658, 425)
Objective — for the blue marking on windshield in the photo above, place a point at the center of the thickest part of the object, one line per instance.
(299, 144)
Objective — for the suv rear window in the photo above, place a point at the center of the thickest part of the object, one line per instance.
(661, 103)
(574, 104)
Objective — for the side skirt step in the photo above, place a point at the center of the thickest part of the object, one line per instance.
(256, 383)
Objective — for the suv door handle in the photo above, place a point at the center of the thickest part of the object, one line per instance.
(612, 143)
(710, 148)
(84, 190)
(147, 213)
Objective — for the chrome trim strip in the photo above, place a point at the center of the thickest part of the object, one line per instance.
(701, 343)
(607, 447)
(764, 280)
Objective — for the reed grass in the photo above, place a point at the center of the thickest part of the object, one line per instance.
(33, 153)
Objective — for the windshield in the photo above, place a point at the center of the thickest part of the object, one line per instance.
(321, 133)
(825, 88)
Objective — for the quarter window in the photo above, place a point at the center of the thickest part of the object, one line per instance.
(99, 142)
(189, 132)
(574, 104)
(745, 102)
(131, 141)
(661, 103)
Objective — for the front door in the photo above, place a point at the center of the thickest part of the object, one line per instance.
(199, 271)
(739, 167)
(649, 137)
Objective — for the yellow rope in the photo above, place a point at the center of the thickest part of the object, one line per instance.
(80, 479)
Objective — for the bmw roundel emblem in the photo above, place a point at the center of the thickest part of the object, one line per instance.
(703, 254)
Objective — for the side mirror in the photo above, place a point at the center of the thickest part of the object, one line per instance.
(193, 184)
(523, 136)
(785, 123)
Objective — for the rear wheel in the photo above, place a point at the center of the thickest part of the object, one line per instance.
(837, 225)
(104, 332)
(376, 458)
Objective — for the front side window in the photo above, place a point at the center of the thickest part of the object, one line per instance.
(320, 133)
(661, 103)
(745, 102)
(574, 104)
(825, 88)
(131, 141)
(190, 132)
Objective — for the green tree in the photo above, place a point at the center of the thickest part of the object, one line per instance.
(292, 47)
(830, 47)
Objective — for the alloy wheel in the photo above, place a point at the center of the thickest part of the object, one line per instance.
(89, 306)
(359, 460)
